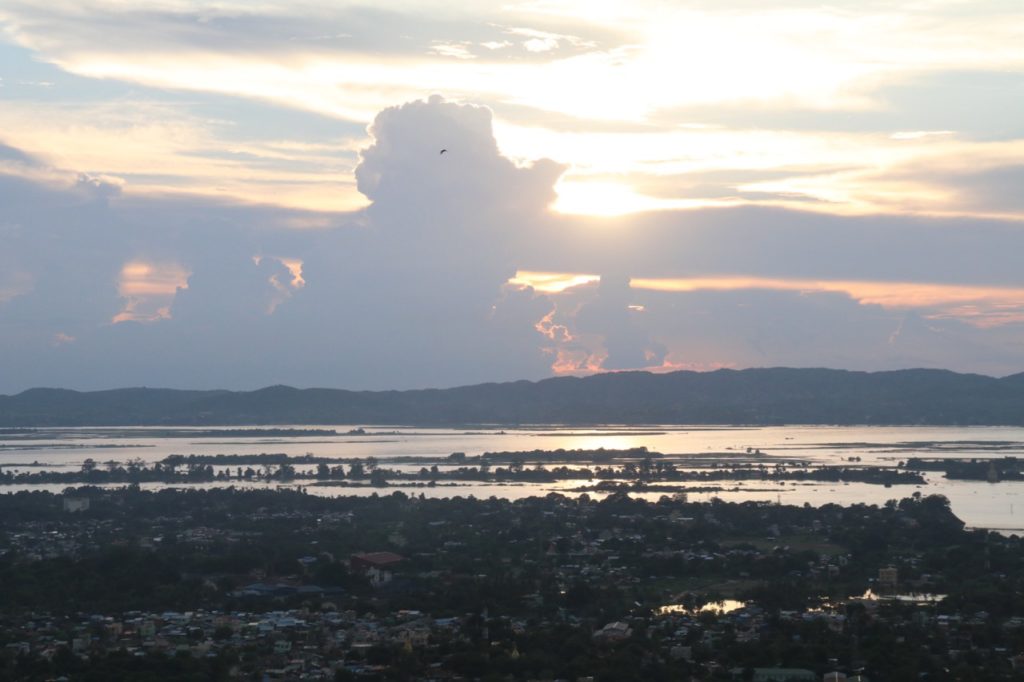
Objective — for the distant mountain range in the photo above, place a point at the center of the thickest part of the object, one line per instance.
(751, 396)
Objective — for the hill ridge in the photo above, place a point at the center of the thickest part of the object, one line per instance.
(759, 396)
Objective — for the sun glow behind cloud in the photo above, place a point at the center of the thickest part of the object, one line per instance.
(551, 282)
(609, 199)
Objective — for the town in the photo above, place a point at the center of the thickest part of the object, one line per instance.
(278, 584)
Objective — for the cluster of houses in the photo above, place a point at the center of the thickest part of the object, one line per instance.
(293, 628)
(314, 644)
(296, 644)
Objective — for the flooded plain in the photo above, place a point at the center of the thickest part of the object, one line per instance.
(997, 506)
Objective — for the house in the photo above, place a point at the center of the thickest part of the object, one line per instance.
(76, 504)
(377, 566)
(613, 632)
(888, 577)
(781, 674)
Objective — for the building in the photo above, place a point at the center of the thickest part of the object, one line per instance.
(613, 632)
(782, 675)
(76, 504)
(887, 578)
(377, 566)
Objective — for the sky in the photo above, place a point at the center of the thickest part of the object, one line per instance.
(239, 194)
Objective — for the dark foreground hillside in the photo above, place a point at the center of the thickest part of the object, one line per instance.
(753, 396)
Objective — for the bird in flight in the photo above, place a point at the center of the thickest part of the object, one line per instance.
(443, 151)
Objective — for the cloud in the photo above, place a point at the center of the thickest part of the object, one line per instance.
(829, 185)
(613, 317)
(14, 283)
(993, 190)
(979, 305)
(10, 154)
(392, 29)
(149, 147)
(459, 271)
(707, 329)
(149, 289)
(405, 166)
(425, 270)
(221, 294)
(615, 60)
(551, 282)
(60, 339)
(845, 112)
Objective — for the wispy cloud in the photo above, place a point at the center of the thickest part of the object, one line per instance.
(621, 65)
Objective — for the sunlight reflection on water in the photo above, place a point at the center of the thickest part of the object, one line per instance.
(979, 504)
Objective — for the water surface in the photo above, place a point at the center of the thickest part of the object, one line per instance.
(979, 504)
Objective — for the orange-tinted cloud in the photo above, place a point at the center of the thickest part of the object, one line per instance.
(978, 305)
(577, 361)
(283, 290)
(554, 331)
(14, 284)
(149, 289)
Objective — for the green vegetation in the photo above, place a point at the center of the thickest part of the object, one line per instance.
(635, 469)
